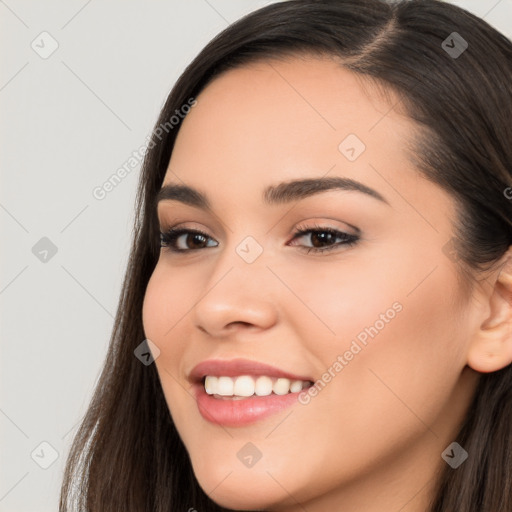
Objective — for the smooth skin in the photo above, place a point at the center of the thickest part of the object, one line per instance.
(372, 438)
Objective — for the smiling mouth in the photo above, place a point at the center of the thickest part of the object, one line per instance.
(239, 411)
(240, 392)
(246, 386)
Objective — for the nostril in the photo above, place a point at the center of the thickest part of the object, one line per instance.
(237, 323)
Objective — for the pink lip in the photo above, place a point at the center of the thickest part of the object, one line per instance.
(237, 413)
(235, 367)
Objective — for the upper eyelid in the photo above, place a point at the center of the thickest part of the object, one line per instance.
(162, 208)
(318, 224)
(298, 230)
(167, 219)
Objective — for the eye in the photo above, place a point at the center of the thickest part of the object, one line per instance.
(324, 238)
(178, 239)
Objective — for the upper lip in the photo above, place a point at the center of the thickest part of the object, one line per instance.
(236, 367)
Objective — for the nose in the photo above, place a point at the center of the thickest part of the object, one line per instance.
(237, 296)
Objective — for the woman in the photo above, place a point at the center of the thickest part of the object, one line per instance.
(317, 310)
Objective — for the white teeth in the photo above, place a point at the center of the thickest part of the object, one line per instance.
(210, 384)
(295, 386)
(246, 385)
(281, 386)
(263, 386)
(225, 386)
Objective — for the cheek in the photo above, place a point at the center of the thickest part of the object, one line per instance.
(154, 309)
(336, 303)
(169, 296)
(164, 313)
(400, 337)
(402, 362)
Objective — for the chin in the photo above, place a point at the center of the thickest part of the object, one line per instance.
(238, 499)
(242, 490)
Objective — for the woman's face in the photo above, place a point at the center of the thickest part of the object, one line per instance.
(378, 322)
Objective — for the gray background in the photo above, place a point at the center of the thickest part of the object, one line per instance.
(68, 122)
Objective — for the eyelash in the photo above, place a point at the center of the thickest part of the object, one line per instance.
(169, 237)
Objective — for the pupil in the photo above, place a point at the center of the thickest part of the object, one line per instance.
(197, 237)
(323, 237)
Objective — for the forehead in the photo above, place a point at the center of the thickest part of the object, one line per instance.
(298, 110)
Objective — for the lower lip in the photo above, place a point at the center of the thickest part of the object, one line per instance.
(237, 413)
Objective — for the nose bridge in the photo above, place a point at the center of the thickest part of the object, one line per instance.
(244, 259)
(238, 289)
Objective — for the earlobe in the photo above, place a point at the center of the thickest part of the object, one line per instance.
(491, 347)
(490, 354)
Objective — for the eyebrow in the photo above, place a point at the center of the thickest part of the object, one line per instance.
(281, 193)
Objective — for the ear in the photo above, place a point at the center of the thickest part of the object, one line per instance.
(491, 347)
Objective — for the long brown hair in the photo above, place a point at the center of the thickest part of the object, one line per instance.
(127, 454)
